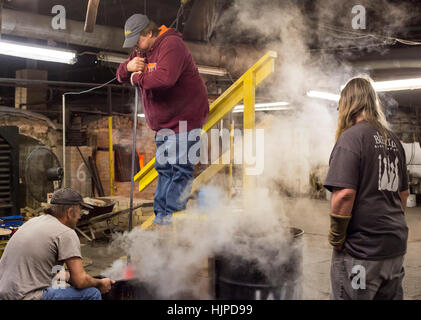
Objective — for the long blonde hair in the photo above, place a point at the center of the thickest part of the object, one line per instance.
(358, 97)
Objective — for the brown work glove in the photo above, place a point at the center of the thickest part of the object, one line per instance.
(338, 227)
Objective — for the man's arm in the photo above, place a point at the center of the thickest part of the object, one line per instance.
(342, 201)
(404, 196)
(132, 64)
(341, 210)
(80, 279)
(170, 64)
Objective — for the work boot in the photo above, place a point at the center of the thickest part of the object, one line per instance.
(160, 227)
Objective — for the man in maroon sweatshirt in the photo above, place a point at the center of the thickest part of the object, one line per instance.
(175, 103)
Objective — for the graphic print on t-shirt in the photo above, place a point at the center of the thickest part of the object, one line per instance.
(388, 174)
(388, 168)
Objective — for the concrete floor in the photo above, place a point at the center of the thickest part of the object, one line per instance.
(313, 217)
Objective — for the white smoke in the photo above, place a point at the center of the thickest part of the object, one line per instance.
(295, 142)
(171, 261)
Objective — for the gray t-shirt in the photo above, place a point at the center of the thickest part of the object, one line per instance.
(26, 267)
(361, 161)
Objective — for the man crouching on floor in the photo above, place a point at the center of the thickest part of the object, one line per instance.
(37, 251)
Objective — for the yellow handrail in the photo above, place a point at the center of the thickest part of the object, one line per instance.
(242, 89)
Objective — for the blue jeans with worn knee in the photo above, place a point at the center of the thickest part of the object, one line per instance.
(175, 159)
(70, 293)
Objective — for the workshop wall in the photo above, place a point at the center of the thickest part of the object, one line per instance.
(122, 135)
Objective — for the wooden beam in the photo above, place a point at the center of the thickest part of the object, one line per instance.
(91, 14)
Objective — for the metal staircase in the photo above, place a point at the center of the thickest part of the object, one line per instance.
(242, 90)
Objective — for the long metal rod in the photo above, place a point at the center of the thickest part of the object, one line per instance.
(64, 141)
(136, 108)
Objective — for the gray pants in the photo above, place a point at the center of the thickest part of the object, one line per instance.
(355, 279)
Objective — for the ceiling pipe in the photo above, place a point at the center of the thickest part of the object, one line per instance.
(388, 64)
(18, 23)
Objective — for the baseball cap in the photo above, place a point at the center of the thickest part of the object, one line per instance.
(68, 196)
(132, 29)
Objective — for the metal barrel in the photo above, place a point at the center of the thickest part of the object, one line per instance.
(130, 289)
(237, 278)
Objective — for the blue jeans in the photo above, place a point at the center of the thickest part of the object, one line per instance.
(70, 293)
(174, 161)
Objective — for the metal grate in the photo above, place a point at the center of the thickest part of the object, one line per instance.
(5, 174)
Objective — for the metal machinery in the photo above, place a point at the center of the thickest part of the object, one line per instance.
(43, 173)
(9, 171)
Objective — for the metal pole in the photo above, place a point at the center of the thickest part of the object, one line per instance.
(230, 178)
(110, 143)
(136, 107)
(64, 141)
(248, 129)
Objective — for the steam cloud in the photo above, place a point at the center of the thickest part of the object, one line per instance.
(295, 141)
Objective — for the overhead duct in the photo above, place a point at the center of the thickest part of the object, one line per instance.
(388, 64)
(24, 24)
(18, 23)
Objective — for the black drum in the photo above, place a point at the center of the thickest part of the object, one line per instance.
(239, 279)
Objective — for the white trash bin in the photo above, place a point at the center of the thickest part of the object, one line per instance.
(412, 201)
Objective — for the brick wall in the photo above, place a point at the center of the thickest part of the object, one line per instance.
(78, 176)
(31, 98)
(122, 134)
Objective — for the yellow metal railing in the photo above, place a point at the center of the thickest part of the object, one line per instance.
(243, 89)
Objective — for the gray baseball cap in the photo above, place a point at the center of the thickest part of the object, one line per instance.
(132, 29)
(68, 196)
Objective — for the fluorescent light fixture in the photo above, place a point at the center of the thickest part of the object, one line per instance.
(213, 71)
(379, 86)
(271, 106)
(323, 95)
(111, 57)
(395, 85)
(37, 52)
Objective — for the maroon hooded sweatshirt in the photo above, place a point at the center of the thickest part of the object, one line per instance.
(172, 89)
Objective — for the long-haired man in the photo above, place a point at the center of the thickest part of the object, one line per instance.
(369, 184)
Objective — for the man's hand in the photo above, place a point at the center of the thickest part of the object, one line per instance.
(131, 77)
(105, 285)
(136, 64)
